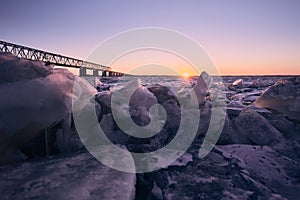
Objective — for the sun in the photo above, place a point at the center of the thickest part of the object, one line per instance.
(186, 75)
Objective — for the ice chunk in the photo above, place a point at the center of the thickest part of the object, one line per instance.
(283, 97)
(238, 82)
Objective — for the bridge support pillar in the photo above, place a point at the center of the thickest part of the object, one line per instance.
(89, 72)
(82, 71)
(95, 72)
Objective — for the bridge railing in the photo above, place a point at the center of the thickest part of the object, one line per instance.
(47, 57)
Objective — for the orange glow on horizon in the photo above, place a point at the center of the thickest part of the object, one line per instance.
(153, 62)
(186, 75)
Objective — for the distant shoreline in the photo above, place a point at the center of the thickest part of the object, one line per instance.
(215, 75)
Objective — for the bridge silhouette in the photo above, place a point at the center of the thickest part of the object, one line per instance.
(85, 68)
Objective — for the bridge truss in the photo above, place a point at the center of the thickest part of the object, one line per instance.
(47, 57)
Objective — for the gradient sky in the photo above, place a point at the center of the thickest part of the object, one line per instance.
(242, 37)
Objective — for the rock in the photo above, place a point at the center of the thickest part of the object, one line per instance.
(104, 100)
(234, 108)
(73, 176)
(112, 132)
(265, 168)
(238, 97)
(140, 103)
(201, 88)
(162, 93)
(282, 97)
(183, 160)
(156, 193)
(100, 86)
(256, 128)
(33, 110)
(16, 69)
(259, 110)
(168, 100)
(234, 171)
(289, 128)
(230, 135)
(35, 98)
(256, 83)
(250, 99)
(289, 148)
(12, 155)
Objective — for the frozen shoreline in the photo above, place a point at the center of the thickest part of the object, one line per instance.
(257, 155)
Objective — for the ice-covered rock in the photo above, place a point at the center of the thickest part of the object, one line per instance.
(256, 127)
(104, 100)
(250, 99)
(256, 83)
(170, 103)
(132, 97)
(100, 86)
(141, 101)
(267, 169)
(162, 93)
(232, 172)
(111, 130)
(230, 135)
(201, 88)
(183, 160)
(234, 108)
(73, 176)
(98, 82)
(131, 105)
(34, 97)
(283, 97)
(289, 128)
(16, 69)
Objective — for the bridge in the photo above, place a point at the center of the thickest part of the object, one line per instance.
(85, 68)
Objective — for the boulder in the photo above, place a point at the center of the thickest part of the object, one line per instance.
(140, 103)
(16, 69)
(256, 127)
(230, 135)
(104, 100)
(162, 93)
(283, 97)
(35, 97)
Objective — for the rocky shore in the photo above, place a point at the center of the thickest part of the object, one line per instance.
(256, 157)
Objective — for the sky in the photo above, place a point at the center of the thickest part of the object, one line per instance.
(242, 37)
